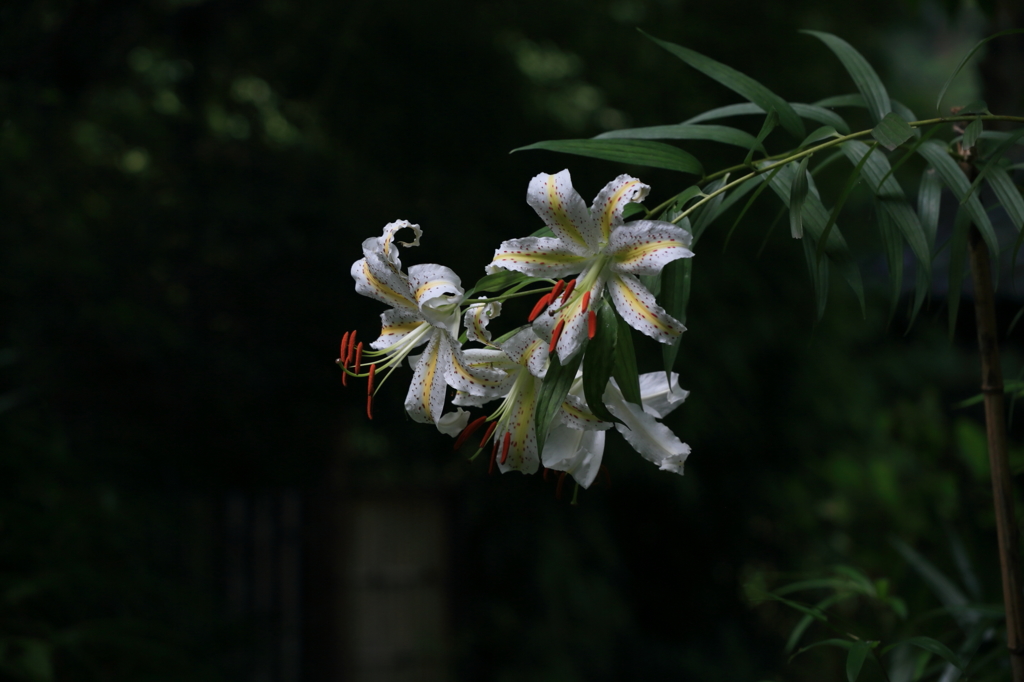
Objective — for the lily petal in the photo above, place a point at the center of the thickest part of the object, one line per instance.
(660, 396)
(638, 308)
(466, 378)
(652, 439)
(425, 398)
(527, 349)
(575, 414)
(438, 292)
(396, 324)
(476, 319)
(562, 209)
(453, 423)
(537, 257)
(522, 453)
(577, 452)
(378, 280)
(644, 247)
(611, 201)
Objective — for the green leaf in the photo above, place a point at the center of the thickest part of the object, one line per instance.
(936, 647)
(1006, 140)
(971, 133)
(929, 198)
(893, 202)
(599, 360)
(954, 178)
(770, 121)
(806, 621)
(853, 100)
(707, 213)
(892, 131)
(851, 182)
(841, 643)
(855, 660)
(815, 217)
(818, 269)
(738, 193)
(637, 152)
(797, 194)
(624, 370)
(911, 152)
(739, 83)
(819, 134)
(957, 255)
(553, 390)
(944, 588)
(892, 247)
(632, 209)
(1008, 195)
(682, 131)
(498, 281)
(762, 185)
(976, 107)
(675, 295)
(967, 57)
(811, 112)
(864, 77)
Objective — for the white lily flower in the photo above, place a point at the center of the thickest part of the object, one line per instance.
(604, 251)
(579, 454)
(425, 310)
(477, 318)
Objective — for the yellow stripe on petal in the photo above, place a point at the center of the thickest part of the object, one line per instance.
(428, 379)
(430, 285)
(384, 290)
(637, 307)
(608, 215)
(559, 212)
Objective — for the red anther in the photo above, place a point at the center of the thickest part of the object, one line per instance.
(343, 359)
(545, 475)
(468, 431)
(568, 290)
(504, 446)
(351, 347)
(591, 324)
(359, 358)
(487, 434)
(369, 380)
(586, 300)
(543, 303)
(344, 344)
(557, 289)
(369, 407)
(494, 452)
(554, 337)
(558, 488)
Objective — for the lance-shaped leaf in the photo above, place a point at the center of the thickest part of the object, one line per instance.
(797, 195)
(815, 217)
(936, 647)
(857, 100)
(819, 134)
(929, 199)
(624, 368)
(683, 131)
(892, 131)
(762, 185)
(707, 213)
(971, 134)
(500, 281)
(957, 256)
(966, 58)
(637, 152)
(876, 171)
(1002, 185)
(675, 295)
(553, 390)
(599, 361)
(892, 247)
(855, 659)
(818, 269)
(864, 77)
(770, 121)
(1006, 140)
(954, 178)
(811, 112)
(739, 83)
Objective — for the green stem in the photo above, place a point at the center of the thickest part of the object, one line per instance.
(505, 297)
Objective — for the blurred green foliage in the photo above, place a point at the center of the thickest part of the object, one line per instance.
(184, 186)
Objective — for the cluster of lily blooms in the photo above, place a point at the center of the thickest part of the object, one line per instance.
(428, 308)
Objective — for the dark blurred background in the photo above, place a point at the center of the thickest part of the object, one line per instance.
(186, 490)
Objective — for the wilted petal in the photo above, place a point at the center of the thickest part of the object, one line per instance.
(537, 257)
(453, 423)
(562, 209)
(378, 280)
(644, 247)
(611, 202)
(425, 398)
(648, 436)
(578, 453)
(476, 319)
(396, 324)
(637, 307)
(659, 395)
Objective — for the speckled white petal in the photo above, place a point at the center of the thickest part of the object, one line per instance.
(537, 257)
(575, 413)
(476, 319)
(463, 377)
(453, 423)
(652, 439)
(519, 423)
(574, 332)
(660, 396)
(529, 350)
(562, 209)
(579, 453)
(611, 201)
(378, 280)
(438, 292)
(384, 245)
(637, 307)
(644, 247)
(425, 398)
(467, 400)
(397, 324)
